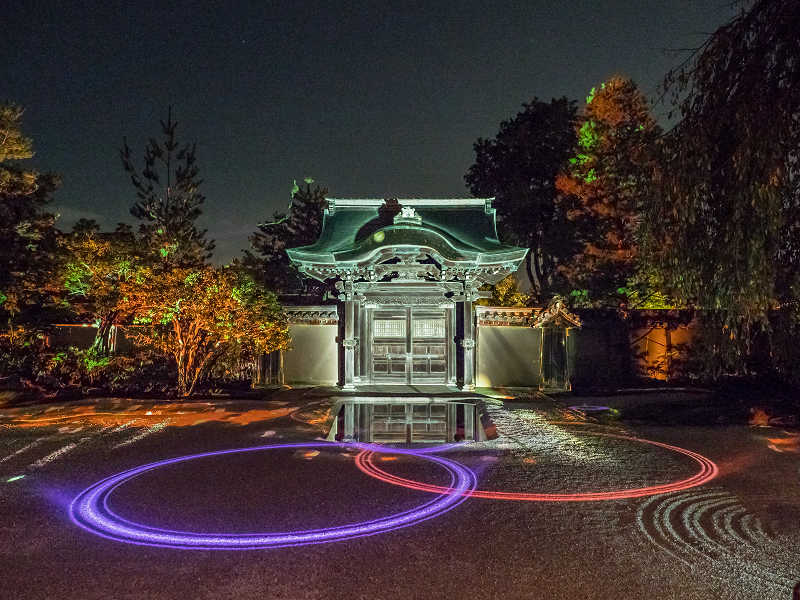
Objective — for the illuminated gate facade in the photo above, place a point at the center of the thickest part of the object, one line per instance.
(410, 345)
(408, 273)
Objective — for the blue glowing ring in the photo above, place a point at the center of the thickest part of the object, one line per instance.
(90, 511)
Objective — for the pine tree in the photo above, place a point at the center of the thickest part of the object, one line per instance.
(301, 226)
(169, 200)
(28, 238)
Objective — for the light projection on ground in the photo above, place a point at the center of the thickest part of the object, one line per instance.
(708, 470)
(115, 413)
(712, 529)
(91, 511)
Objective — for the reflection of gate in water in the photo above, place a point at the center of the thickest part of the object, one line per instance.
(409, 345)
(407, 422)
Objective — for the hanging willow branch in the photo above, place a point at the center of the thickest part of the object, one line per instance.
(723, 223)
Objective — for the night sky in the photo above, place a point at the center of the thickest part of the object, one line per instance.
(372, 99)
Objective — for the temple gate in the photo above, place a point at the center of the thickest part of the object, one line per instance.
(407, 272)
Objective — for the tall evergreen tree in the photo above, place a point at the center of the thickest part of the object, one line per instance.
(28, 238)
(602, 187)
(518, 167)
(301, 226)
(169, 200)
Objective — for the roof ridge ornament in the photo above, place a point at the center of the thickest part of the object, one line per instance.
(556, 314)
(407, 215)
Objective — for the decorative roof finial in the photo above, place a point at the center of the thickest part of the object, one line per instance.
(408, 215)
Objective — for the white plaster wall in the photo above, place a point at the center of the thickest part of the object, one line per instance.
(508, 356)
(313, 355)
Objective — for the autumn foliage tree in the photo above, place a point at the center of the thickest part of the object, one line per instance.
(202, 318)
(602, 187)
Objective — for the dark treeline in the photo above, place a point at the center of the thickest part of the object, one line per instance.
(616, 213)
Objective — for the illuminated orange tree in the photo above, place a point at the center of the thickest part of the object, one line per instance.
(203, 318)
(601, 188)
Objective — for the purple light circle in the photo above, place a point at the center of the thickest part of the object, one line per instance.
(90, 511)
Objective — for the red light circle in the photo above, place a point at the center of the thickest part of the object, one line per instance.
(708, 471)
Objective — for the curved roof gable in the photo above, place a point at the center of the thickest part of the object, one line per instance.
(360, 232)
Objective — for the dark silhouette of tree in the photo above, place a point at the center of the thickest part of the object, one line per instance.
(723, 226)
(301, 226)
(28, 238)
(169, 200)
(518, 167)
(601, 189)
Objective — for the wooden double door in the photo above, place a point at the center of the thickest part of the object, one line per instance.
(410, 345)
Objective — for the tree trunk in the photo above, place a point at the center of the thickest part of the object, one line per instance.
(531, 276)
(541, 271)
(182, 378)
(100, 344)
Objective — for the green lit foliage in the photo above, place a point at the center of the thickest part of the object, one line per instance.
(74, 367)
(203, 318)
(27, 234)
(723, 223)
(518, 167)
(25, 353)
(95, 266)
(601, 188)
(301, 226)
(169, 200)
(505, 292)
(642, 292)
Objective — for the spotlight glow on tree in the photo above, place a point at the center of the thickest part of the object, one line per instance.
(602, 186)
(202, 318)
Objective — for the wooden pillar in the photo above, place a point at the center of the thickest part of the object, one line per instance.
(469, 422)
(349, 420)
(468, 342)
(349, 341)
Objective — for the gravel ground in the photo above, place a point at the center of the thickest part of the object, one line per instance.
(734, 537)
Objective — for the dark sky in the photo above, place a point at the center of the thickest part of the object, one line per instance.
(372, 99)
